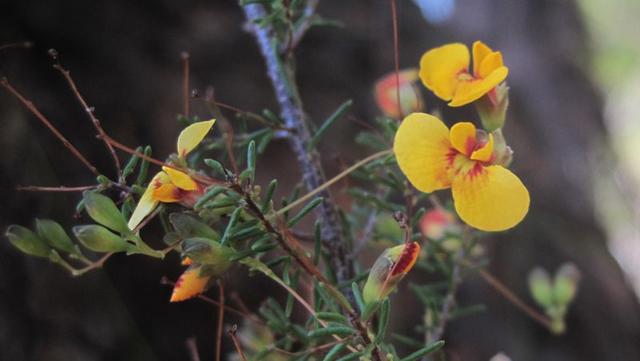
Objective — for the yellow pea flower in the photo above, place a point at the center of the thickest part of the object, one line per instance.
(486, 196)
(386, 93)
(445, 71)
(171, 185)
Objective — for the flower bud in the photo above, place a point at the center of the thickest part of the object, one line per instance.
(99, 239)
(27, 241)
(436, 223)
(190, 284)
(210, 253)
(54, 235)
(102, 210)
(540, 287)
(390, 267)
(386, 93)
(566, 282)
(492, 108)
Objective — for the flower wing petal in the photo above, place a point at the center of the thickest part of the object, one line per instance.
(439, 68)
(189, 285)
(192, 135)
(490, 198)
(490, 63)
(147, 203)
(181, 179)
(167, 193)
(463, 137)
(484, 153)
(469, 91)
(480, 51)
(421, 147)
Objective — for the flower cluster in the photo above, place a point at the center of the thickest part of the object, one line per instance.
(471, 162)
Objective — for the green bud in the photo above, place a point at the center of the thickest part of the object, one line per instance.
(27, 241)
(215, 257)
(100, 239)
(102, 210)
(566, 282)
(493, 109)
(540, 287)
(387, 271)
(55, 236)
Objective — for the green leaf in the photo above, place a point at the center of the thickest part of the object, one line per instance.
(332, 316)
(335, 350)
(102, 210)
(232, 222)
(357, 295)
(209, 195)
(353, 356)
(251, 159)
(131, 164)
(266, 201)
(217, 167)
(100, 239)
(383, 321)
(144, 167)
(339, 113)
(27, 241)
(341, 331)
(424, 351)
(55, 236)
(205, 252)
(304, 211)
(188, 226)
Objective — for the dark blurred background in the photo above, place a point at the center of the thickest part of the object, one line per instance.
(570, 124)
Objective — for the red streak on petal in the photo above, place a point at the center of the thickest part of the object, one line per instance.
(407, 259)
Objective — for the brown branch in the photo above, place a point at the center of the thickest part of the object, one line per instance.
(185, 82)
(54, 189)
(196, 177)
(515, 300)
(192, 347)
(34, 110)
(90, 112)
(220, 321)
(22, 44)
(232, 333)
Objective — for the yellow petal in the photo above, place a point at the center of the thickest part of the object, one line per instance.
(469, 91)
(181, 179)
(167, 193)
(480, 51)
(192, 135)
(439, 68)
(421, 147)
(485, 153)
(189, 285)
(463, 137)
(490, 198)
(147, 202)
(490, 63)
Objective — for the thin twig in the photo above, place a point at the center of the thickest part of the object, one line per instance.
(251, 317)
(515, 300)
(228, 131)
(32, 108)
(220, 321)
(54, 189)
(305, 22)
(232, 333)
(90, 112)
(21, 44)
(396, 53)
(192, 347)
(97, 264)
(333, 180)
(185, 82)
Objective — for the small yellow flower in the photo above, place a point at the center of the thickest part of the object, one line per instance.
(171, 185)
(486, 196)
(445, 71)
(386, 93)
